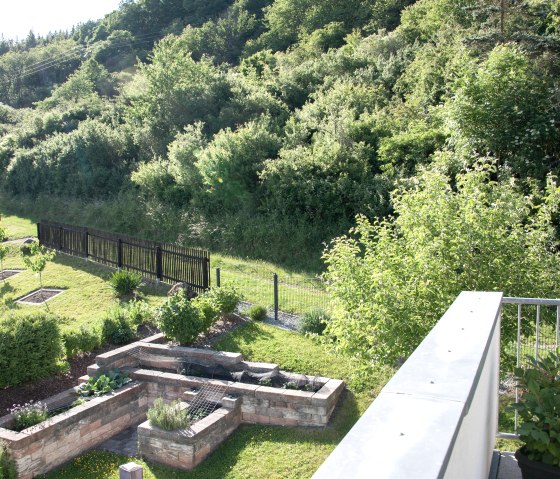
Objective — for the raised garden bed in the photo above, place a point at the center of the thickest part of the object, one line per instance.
(43, 447)
(41, 296)
(8, 273)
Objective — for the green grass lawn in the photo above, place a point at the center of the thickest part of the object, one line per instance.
(87, 295)
(18, 227)
(267, 452)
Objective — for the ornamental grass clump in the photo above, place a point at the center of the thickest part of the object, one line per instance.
(29, 414)
(168, 416)
(124, 283)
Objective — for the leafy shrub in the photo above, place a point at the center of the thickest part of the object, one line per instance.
(168, 416)
(7, 464)
(538, 408)
(124, 282)
(257, 312)
(314, 322)
(208, 308)
(395, 278)
(82, 340)
(181, 319)
(29, 414)
(30, 347)
(103, 383)
(116, 327)
(138, 312)
(225, 298)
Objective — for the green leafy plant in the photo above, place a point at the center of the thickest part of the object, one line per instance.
(124, 282)
(7, 464)
(37, 259)
(539, 409)
(314, 322)
(103, 383)
(82, 340)
(28, 414)
(265, 382)
(257, 312)
(225, 299)
(116, 327)
(180, 319)
(168, 416)
(139, 312)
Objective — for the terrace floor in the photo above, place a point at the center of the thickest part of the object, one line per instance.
(506, 466)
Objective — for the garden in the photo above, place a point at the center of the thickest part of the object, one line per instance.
(89, 319)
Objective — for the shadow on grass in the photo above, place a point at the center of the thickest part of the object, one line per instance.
(248, 333)
(6, 288)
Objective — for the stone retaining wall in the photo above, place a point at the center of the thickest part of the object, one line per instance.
(185, 449)
(41, 448)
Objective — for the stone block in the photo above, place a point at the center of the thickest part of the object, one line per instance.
(131, 471)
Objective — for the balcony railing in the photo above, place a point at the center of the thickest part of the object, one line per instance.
(438, 416)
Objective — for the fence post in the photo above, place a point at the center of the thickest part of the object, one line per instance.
(119, 253)
(60, 230)
(86, 244)
(205, 273)
(159, 264)
(218, 277)
(39, 232)
(275, 277)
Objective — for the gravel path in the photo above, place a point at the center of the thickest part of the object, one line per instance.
(285, 320)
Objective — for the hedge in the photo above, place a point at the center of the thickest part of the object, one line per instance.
(30, 348)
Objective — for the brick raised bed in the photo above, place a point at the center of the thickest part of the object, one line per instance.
(40, 449)
(185, 449)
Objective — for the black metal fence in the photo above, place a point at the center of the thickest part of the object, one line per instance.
(162, 261)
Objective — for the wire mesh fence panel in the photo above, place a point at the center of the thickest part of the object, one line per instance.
(254, 287)
(298, 296)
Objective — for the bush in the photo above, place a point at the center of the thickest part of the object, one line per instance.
(168, 416)
(181, 319)
(116, 327)
(30, 347)
(139, 312)
(82, 340)
(314, 322)
(7, 464)
(124, 283)
(29, 414)
(257, 312)
(225, 299)
(209, 310)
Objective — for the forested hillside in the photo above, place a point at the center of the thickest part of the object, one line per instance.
(263, 127)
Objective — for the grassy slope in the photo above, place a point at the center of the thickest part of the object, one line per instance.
(266, 452)
(87, 295)
(18, 227)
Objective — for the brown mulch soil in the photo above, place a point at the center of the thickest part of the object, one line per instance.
(8, 274)
(47, 387)
(41, 296)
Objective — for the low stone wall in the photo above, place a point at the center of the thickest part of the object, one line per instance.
(53, 442)
(260, 404)
(185, 449)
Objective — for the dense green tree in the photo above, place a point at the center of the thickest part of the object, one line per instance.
(394, 278)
